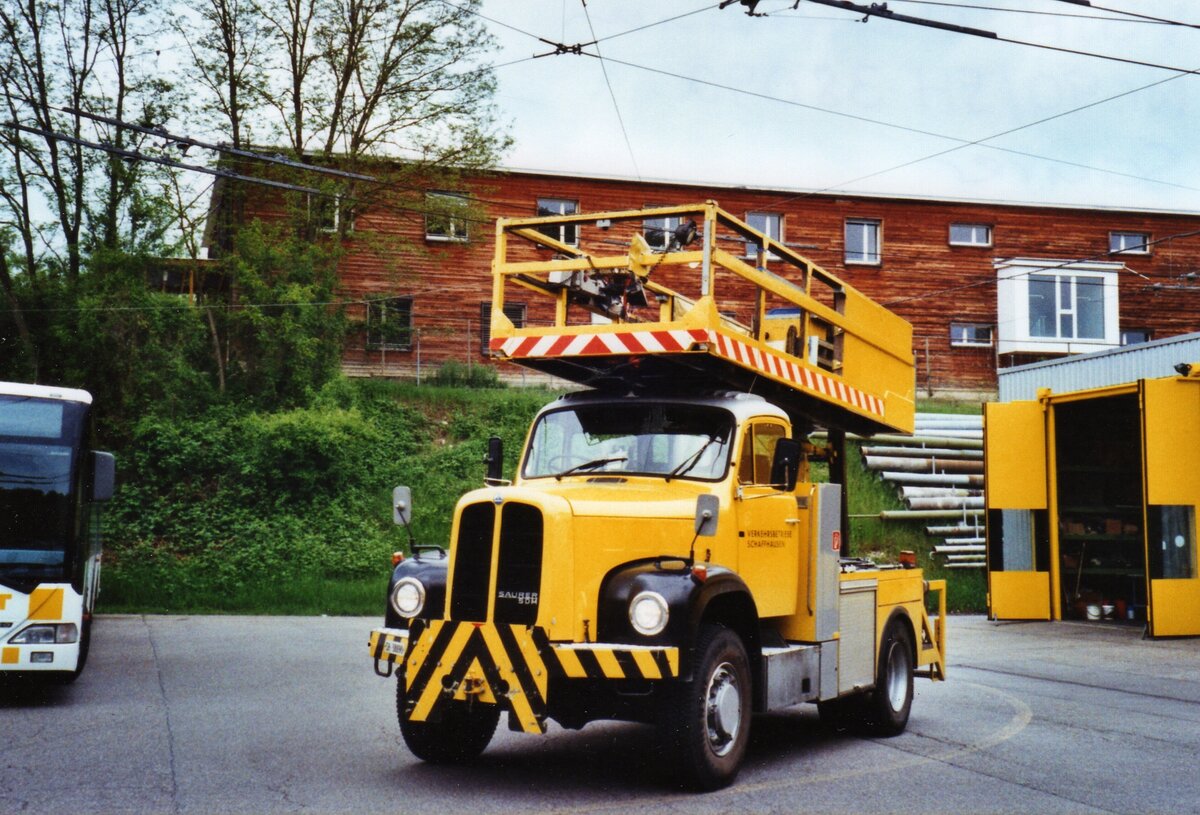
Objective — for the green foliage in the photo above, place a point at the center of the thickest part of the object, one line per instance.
(453, 374)
(234, 508)
(283, 338)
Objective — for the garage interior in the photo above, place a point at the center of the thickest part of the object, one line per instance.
(1102, 553)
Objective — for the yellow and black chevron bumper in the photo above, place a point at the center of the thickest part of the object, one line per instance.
(509, 665)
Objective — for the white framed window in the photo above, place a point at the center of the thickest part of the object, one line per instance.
(863, 241)
(326, 213)
(1129, 243)
(768, 223)
(970, 235)
(389, 324)
(563, 233)
(659, 232)
(971, 335)
(445, 216)
(1056, 307)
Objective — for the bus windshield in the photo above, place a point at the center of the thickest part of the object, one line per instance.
(662, 439)
(39, 444)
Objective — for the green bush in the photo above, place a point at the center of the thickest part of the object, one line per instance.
(233, 508)
(452, 374)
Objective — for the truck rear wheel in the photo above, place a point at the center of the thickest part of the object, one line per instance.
(889, 704)
(708, 721)
(465, 730)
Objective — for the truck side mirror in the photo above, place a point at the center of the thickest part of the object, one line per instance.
(494, 460)
(785, 466)
(104, 475)
(401, 506)
(707, 509)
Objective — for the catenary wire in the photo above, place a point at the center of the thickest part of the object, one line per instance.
(612, 93)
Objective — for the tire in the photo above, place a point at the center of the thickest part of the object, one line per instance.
(465, 730)
(888, 705)
(707, 725)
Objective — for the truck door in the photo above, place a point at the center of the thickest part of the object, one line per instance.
(1015, 467)
(768, 524)
(1171, 450)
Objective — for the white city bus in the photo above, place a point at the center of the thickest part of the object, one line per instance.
(50, 486)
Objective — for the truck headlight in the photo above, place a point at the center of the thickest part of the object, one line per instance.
(56, 634)
(648, 613)
(408, 597)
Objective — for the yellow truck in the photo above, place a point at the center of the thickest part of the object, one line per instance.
(663, 553)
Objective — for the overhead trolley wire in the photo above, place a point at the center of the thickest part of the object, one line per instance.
(920, 131)
(1138, 17)
(1049, 267)
(611, 93)
(883, 12)
(1068, 15)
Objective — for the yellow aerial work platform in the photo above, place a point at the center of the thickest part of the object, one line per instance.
(700, 299)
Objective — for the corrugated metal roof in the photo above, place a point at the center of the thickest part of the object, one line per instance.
(1120, 365)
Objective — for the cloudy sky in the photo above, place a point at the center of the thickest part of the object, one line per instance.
(812, 98)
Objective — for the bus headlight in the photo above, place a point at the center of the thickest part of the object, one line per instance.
(56, 634)
(408, 597)
(648, 613)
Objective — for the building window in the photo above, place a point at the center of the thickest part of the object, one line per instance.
(1066, 306)
(389, 324)
(445, 216)
(659, 232)
(978, 335)
(1129, 243)
(1051, 307)
(970, 235)
(515, 312)
(1135, 336)
(862, 241)
(326, 213)
(768, 223)
(563, 233)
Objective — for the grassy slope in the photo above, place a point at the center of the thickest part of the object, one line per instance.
(446, 464)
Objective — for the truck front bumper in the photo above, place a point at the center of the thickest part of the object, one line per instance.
(507, 665)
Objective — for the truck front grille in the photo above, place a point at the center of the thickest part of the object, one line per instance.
(518, 572)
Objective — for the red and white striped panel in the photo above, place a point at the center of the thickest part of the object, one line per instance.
(599, 343)
(782, 366)
(767, 361)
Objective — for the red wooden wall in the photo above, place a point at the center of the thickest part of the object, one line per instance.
(921, 276)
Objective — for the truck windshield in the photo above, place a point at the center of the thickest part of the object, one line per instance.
(39, 441)
(644, 438)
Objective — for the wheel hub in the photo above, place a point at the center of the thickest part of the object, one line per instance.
(723, 709)
(897, 676)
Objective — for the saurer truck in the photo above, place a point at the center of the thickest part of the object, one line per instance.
(666, 552)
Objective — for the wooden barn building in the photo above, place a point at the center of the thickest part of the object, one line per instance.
(986, 285)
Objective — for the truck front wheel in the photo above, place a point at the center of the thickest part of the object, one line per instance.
(465, 730)
(708, 720)
(889, 704)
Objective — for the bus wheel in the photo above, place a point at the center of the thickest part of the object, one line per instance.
(465, 730)
(85, 645)
(708, 723)
(889, 704)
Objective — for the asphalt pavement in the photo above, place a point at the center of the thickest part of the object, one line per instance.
(214, 714)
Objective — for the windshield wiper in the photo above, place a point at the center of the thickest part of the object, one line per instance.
(691, 461)
(590, 465)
